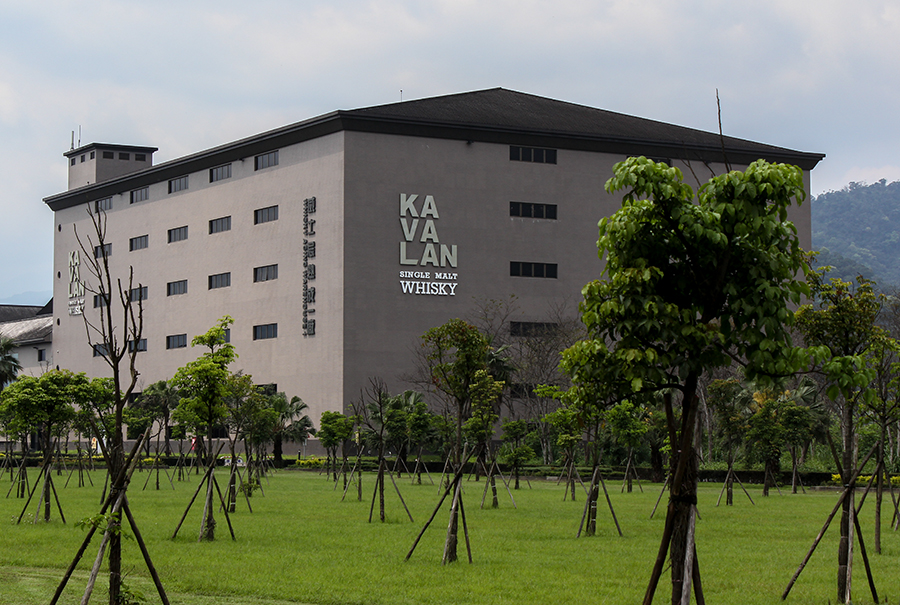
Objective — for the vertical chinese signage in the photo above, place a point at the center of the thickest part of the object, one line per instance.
(76, 286)
(309, 267)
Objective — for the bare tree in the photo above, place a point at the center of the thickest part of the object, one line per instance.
(115, 335)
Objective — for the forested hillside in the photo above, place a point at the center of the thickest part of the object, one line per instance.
(857, 229)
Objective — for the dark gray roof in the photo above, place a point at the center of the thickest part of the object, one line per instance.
(496, 115)
(31, 330)
(13, 312)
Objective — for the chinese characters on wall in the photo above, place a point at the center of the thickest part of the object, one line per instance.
(309, 267)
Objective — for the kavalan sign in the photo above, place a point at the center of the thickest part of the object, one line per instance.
(422, 248)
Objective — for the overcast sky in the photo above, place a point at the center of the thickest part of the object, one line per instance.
(185, 75)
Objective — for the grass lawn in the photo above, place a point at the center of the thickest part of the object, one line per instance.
(301, 544)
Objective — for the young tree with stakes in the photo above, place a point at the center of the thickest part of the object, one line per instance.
(693, 282)
(114, 333)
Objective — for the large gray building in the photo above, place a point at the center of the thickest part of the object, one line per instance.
(335, 242)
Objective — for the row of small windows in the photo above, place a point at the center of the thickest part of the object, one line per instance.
(531, 210)
(522, 269)
(217, 225)
(537, 155)
(265, 331)
(175, 341)
(219, 280)
(220, 173)
(532, 328)
(134, 295)
(109, 155)
(175, 288)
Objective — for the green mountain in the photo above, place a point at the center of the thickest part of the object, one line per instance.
(857, 230)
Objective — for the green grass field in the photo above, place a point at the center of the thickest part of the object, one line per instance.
(302, 544)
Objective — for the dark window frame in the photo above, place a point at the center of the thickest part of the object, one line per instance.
(179, 184)
(140, 195)
(220, 225)
(138, 243)
(220, 280)
(104, 250)
(265, 160)
(176, 341)
(265, 273)
(531, 269)
(265, 215)
(220, 173)
(177, 234)
(265, 331)
(177, 288)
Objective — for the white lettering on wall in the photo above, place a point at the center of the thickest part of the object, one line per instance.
(421, 247)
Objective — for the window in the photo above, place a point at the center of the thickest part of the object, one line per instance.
(137, 345)
(177, 234)
(109, 155)
(267, 273)
(179, 184)
(227, 334)
(219, 280)
(532, 328)
(99, 301)
(72, 162)
(137, 243)
(104, 250)
(530, 210)
(103, 205)
(265, 160)
(519, 269)
(42, 355)
(265, 331)
(82, 158)
(124, 156)
(174, 288)
(532, 154)
(140, 157)
(93, 154)
(100, 350)
(139, 293)
(265, 215)
(177, 341)
(219, 173)
(139, 195)
(218, 225)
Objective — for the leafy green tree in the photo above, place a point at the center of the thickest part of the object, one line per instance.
(626, 423)
(244, 403)
(776, 422)
(9, 364)
(203, 384)
(334, 431)
(515, 453)
(730, 406)
(693, 282)
(479, 428)
(46, 405)
(292, 424)
(159, 400)
(454, 353)
(841, 325)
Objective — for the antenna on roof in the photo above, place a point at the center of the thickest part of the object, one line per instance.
(73, 141)
(79, 135)
(401, 95)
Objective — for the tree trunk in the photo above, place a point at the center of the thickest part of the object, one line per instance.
(879, 488)
(117, 463)
(277, 451)
(683, 511)
(494, 502)
(452, 528)
(844, 546)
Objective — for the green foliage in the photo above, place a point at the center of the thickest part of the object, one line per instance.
(777, 422)
(334, 429)
(484, 392)
(860, 225)
(203, 383)
(839, 327)
(9, 365)
(46, 403)
(691, 282)
(455, 351)
(627, 423)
